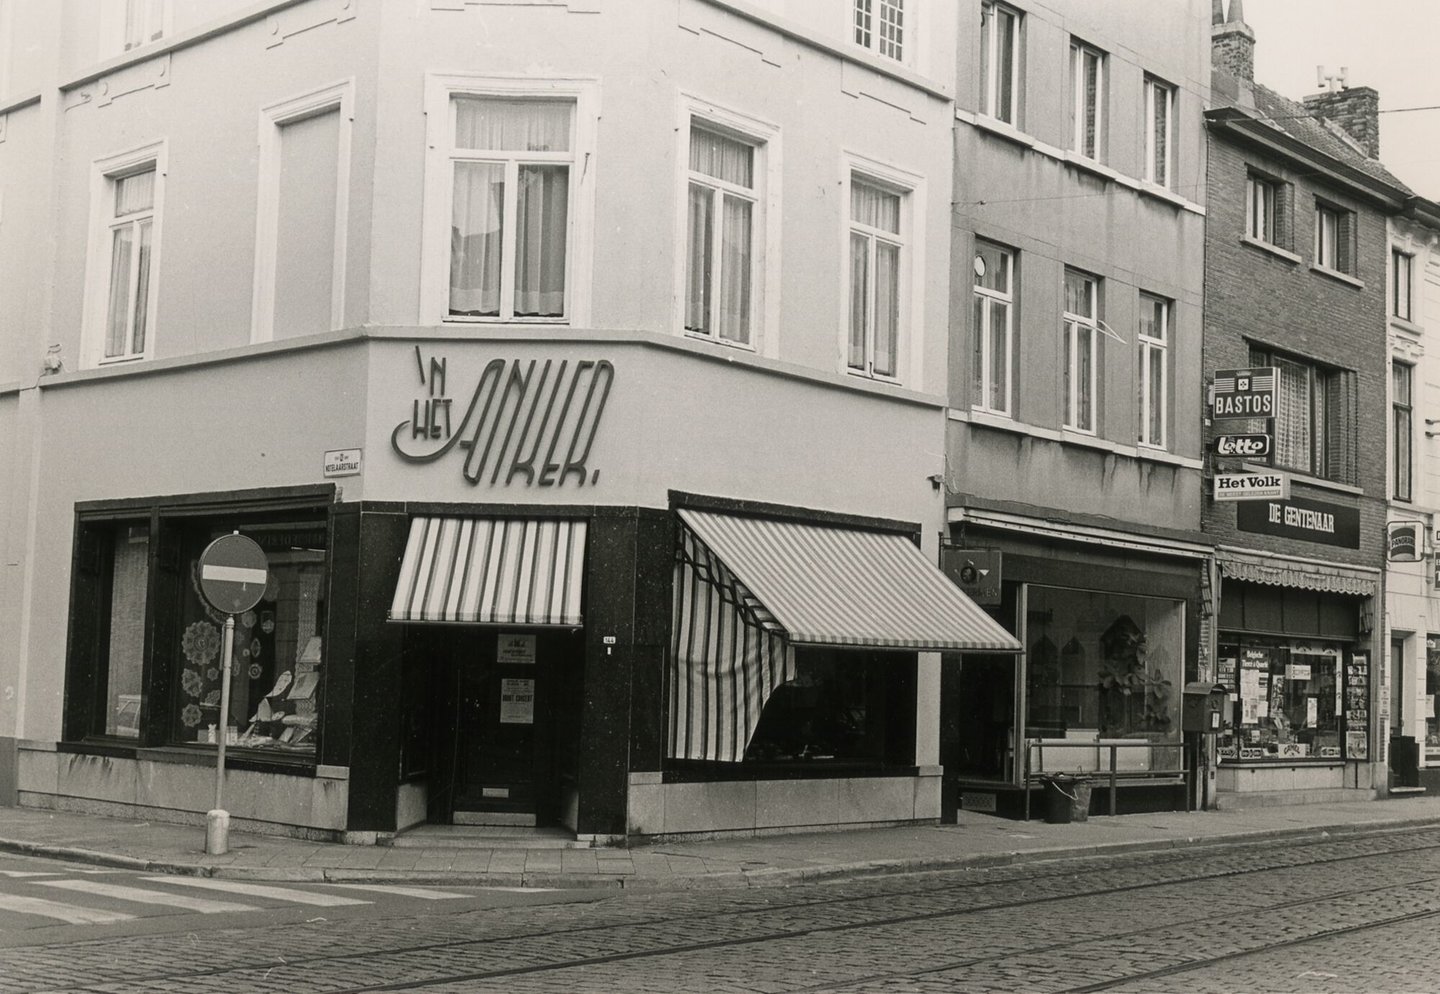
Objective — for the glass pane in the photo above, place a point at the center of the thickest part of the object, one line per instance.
(1084, 366)
(1159, 131)
(721, 157)
(887, 307)
(1067, 372)
(988, 59)
(1293, 437)
(1153, 316)
(499, 124)
(999, 355)
(1079, 295)
(862, 22)
(135, 193)
(699, 271)
(129, 584)
(892, 28)
(1005, 67)
(735, 270)
(1155, 430)
(872, 206)
(117, 330)
(1400, 380)
(142, 291)
(476, 235)
(859, 299)
(997, 267)
(979, 366)
(542, 224)
(1402, 434)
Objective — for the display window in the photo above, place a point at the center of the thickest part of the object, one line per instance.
(1288, 698)
(1102, 665)
(145, 650)
(1432, 688)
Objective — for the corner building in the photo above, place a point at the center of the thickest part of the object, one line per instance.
(577, 365)
(1074, 486)
(1296, 268)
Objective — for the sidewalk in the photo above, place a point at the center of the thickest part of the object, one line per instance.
(978, 840)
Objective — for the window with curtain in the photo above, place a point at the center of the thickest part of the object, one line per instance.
(1317, 414)
(879, 25)
(1265, 208)
(721, 221)
(1159, 111)
(999, 65)
(1080, 330)
(993, 327)
(1402, 428)
(1153, 338)
(144, 22)
(510, 207)
(1402, 268)
(1334, 235)
(129, 571)
(1087, 106)
(875, 273)
(132, 237)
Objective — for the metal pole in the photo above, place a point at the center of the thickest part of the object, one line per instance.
(217, 821)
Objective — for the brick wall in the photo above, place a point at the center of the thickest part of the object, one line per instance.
(1356, 110)
(1253, 295)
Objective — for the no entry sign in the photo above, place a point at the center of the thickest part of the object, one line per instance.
(233, 573)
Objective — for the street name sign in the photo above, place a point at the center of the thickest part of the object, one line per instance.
(1251, 486)
(1245, 393)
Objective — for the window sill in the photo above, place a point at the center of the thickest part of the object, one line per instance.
(1098, 168)
(1002, 422)
(466, 319)
(1001, 129)
(1304, 479)
(1275, 250)
(236, 758)
(697, 336)
(1406, 325)
(1338, 276)
(1164, 193)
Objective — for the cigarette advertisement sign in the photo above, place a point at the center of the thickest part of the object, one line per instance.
(1245, 393)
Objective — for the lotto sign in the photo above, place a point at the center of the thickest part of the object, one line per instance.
(233, 573)
(1243, 446)
(1245, 393)
(1252, 486)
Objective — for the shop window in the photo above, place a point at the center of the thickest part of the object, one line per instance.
(165, 689)
(1103, 665)
(1432, 689)
(842, 707)
(1285, 696)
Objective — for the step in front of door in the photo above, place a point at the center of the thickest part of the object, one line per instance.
(486, 837)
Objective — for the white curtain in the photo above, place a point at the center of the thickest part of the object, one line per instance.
(735, 271)
(859, 298)
(122, 244)
(887, 306)
(543, 210)
(476, 231)
(498, 125)
(698, 264)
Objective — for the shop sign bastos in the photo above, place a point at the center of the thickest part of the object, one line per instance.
(532, 421)
(1245, 393)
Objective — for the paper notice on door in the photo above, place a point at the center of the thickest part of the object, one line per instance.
(1429, 705)
(517, 702)
(1312, 711)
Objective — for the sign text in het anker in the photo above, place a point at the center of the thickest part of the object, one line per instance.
(1245, 405)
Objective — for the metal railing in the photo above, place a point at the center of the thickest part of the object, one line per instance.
(1113, 774)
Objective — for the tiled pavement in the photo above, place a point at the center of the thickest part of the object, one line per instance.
(733, 862)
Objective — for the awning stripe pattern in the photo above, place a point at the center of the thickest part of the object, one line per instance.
(842, 586)
(492, 571)
(1327, 579)
(728, 657)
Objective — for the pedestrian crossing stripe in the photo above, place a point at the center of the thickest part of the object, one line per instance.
(140, 895)
(71, 914)
(423, 893)
(260, 890)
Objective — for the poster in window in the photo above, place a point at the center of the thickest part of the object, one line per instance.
(515, 649)
(517, 702)
(1357, 707)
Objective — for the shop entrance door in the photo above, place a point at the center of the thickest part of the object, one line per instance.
(505, 709)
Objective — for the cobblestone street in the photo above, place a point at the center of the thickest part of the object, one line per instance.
(1313, 916)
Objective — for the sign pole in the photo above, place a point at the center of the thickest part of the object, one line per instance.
(217, 821)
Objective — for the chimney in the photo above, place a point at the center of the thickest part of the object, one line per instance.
(1232, 42)
(1356, 110)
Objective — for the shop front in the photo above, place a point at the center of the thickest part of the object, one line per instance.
(1295, 653)
(1110, 629)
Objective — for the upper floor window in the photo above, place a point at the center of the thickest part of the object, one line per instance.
(1316, 417)
(999, 65)
(129, 24)
(720, 256)
(510, 206)
(876, 244)
(1087, 103)
(123, 256)
(1081, 331)
(1159, 130)
(1153, 337)
(880, 27)
(1402, 271)
(1267, 210)
(993, 327)
(1334, 237)
(1402, 427)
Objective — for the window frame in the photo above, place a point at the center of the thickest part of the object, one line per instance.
(1272, 196)
(1146, 345)
(1402, 298)
(1329, 427)
(765, 230)
(338, 97)
(1402, 430)
(1335, 252)
(112, 27)
(1155, 87)
(983, 337)
(104, 175)
(989, 60)
(1079, 50)
(1071, 323)
(909, 343)
(871, 35)
(435, 251)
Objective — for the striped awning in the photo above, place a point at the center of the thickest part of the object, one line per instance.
(1276, 572)
(839, 586)
(492, 571)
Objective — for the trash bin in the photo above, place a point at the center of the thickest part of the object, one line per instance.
(1067, 798)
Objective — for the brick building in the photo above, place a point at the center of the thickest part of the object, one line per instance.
(1295, 281)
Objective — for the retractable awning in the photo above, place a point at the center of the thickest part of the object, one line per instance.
(491, 571)
(835, 586)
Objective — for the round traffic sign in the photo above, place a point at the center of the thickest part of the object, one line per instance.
(233, 573)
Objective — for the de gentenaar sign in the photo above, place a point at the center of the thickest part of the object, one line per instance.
(531, 422)
(1307, 520)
